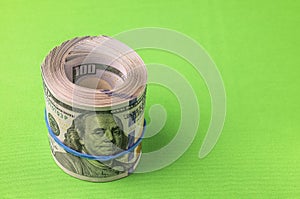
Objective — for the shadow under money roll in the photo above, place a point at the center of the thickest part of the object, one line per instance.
(95, 89)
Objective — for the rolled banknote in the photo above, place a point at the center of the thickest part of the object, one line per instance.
(95, 89)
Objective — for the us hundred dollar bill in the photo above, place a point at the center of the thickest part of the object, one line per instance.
(95, 107)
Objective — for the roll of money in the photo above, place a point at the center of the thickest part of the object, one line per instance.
(95, 89)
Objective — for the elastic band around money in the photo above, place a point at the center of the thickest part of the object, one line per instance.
(83, 155)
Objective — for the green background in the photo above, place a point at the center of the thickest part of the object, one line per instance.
(255, 45)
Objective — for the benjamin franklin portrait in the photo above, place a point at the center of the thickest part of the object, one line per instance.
(98, 134)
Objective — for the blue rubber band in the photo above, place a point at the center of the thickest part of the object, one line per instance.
(92, 157)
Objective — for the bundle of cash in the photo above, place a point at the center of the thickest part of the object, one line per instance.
(95, 89)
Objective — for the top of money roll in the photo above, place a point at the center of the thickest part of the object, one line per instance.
(94, 73)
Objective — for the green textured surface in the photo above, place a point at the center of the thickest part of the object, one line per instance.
(255, 45)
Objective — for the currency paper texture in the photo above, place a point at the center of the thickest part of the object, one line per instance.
(95, 90)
